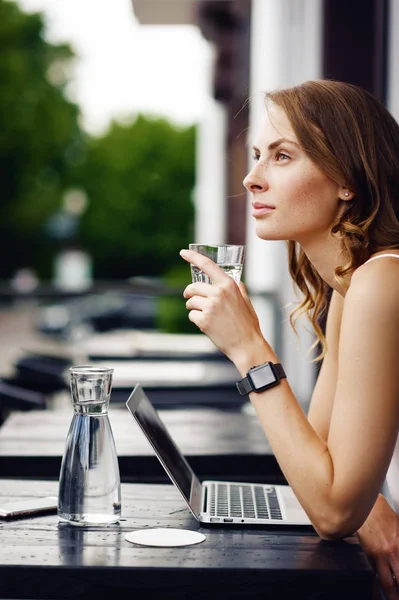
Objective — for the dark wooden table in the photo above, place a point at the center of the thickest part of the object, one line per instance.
(169, 381)
(41, 558)
(177, 369)
(176, 382)
(223, 444)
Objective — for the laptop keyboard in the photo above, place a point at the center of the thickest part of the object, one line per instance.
(246, 501)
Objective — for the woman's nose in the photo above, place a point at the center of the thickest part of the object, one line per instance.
(254, 183)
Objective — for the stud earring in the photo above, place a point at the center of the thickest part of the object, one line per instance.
(346, 194)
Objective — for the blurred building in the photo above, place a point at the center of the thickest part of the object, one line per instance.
(265, 44)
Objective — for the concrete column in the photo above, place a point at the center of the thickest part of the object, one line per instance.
(285, 51)
(210, 189)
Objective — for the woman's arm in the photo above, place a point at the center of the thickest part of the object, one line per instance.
(337, 481)
(320, 408)
(379, 534)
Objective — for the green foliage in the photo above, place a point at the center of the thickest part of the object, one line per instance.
(172, 314)
(39, 135)
(139, 179)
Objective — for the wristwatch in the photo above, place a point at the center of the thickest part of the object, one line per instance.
(261, 378)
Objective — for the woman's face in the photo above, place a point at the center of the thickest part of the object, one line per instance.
(292, 199)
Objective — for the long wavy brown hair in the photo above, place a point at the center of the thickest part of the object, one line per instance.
(354, 140)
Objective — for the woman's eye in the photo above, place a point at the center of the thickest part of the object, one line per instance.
(280, 156)
(256, 157)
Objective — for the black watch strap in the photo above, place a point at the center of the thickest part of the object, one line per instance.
(244, 386)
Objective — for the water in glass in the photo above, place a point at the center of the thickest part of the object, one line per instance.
(234, 271)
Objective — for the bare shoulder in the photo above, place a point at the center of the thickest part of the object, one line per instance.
(375, 286)
(370, 321)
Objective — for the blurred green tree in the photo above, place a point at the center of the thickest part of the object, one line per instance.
(139, 179)
(40, 137)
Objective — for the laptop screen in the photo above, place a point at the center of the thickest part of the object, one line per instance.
(169, 455)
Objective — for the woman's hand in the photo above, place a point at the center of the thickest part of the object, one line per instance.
(379, 536)
(223, 311)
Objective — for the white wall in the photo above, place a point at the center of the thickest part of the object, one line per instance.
(285, 51)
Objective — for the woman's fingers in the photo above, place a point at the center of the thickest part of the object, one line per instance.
(196, 303)
(212, 291)
(388, 580)
(395, 573)
(198, 289)
(243, 290)
(205, 264)
(395, 566)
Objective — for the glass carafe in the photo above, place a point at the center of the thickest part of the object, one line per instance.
(89, 485)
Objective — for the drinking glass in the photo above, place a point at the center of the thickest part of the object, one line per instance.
(228, 257)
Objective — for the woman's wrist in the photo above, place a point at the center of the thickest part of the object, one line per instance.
(249, 356)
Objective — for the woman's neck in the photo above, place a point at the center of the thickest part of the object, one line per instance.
(326, 255)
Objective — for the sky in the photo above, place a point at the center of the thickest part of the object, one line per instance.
(124, 67)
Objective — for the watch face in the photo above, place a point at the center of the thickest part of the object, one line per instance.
(262, 376)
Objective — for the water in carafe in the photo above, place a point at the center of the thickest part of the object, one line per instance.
(89, 484)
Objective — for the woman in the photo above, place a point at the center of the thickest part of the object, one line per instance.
(326, 179)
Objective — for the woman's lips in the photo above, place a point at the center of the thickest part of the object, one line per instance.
(259, 209)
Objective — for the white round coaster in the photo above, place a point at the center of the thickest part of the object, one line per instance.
(165, 536)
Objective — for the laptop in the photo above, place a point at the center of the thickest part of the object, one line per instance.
(215, 502)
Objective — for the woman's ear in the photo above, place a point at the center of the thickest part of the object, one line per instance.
(345, 194)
